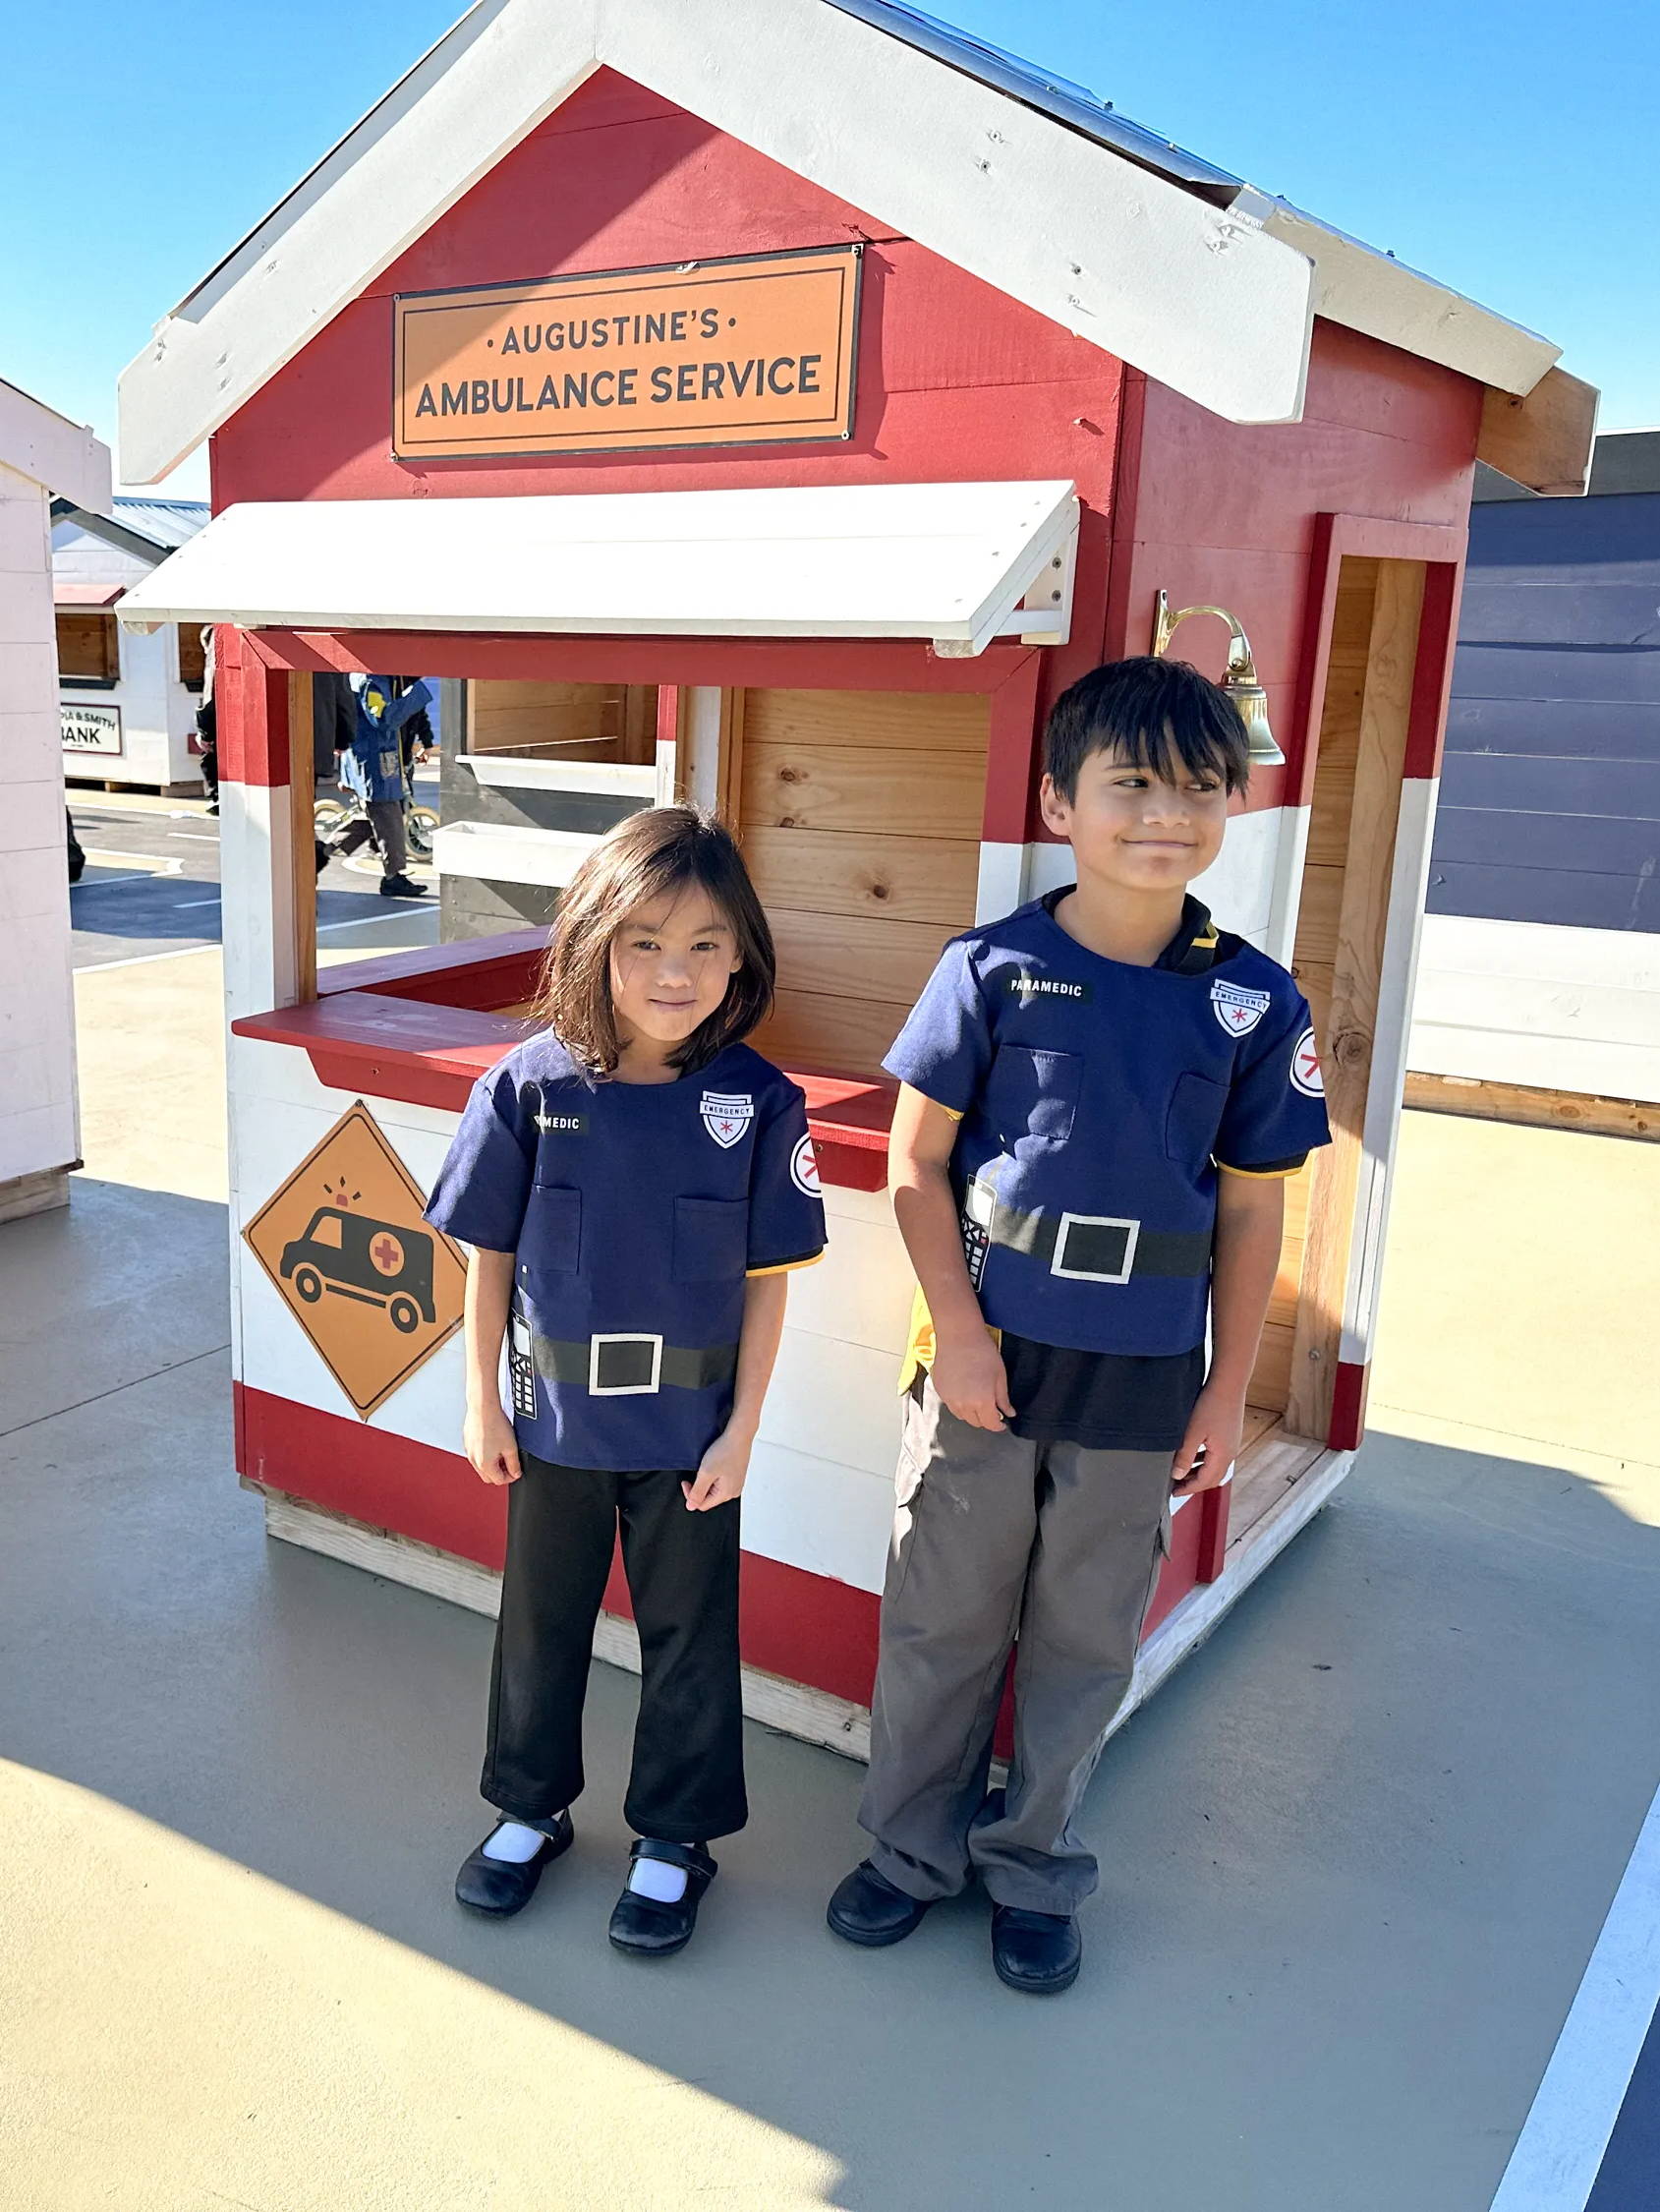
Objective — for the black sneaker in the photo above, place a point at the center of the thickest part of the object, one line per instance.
(867, 1908)
(500, 1887)
(648, 1928)
(1039, 1953)
(400, 887)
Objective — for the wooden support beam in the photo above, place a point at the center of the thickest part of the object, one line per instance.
(302, 786)
(1346, 1047)
(1542, 442)
(1533, 1107)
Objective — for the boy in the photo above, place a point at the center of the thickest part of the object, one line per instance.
(1071, 1082)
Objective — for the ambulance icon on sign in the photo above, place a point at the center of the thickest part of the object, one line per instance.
(348, 1256)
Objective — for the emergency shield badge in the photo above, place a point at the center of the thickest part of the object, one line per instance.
(727, 1115)
(1237, 1009)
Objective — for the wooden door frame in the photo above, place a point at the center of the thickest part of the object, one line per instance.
(1349, 1203)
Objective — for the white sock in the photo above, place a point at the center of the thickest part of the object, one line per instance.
(656, 1878)
(514, 1843)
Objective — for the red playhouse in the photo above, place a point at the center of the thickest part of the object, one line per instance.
(780, 403)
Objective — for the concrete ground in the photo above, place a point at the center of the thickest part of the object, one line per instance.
(151, 879)
(1355, 1854)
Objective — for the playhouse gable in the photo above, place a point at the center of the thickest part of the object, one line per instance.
(620, 179)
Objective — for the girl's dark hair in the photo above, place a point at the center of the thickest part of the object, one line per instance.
(650, 857)
(1163, 716)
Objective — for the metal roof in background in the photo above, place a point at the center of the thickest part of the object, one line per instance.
(1075, 105)
(167, 522)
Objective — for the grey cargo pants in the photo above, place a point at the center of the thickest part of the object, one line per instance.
(997, 1537)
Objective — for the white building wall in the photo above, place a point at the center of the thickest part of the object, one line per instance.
(1538, 1003)
(157, 716)
(157, 713)
(38, 1119)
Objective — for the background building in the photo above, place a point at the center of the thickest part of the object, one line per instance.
(128, 699)
(41, 453)
(1540, 969)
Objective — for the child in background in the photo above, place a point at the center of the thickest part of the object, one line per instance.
(635, 1183)
(1099, 1099)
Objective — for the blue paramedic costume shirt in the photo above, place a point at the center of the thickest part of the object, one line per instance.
(636, 1212)
(1098, 1102)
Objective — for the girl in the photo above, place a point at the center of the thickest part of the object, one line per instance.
(635, 1183)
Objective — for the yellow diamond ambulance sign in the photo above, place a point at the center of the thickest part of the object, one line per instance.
(374, 1287)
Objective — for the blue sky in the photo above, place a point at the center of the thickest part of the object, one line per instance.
(1505, 149)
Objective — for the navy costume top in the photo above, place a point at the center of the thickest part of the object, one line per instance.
(635, 1212)
(1097, 1100)
(374, 768)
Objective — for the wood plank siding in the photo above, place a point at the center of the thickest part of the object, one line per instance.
(860, 817)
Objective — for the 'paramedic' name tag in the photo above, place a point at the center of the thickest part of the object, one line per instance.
(727, 1115)
(1238, 1011)
(1028, 989)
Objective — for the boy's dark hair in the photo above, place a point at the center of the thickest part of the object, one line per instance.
(1163, 716)
(651, 856)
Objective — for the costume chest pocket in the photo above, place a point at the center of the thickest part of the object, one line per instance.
(1192, 1119)
(1033, 1092)
(711, 1240)
(551, 1241)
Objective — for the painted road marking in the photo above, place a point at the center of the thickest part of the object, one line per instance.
(394, 905)
(389, 909)
(143, 959)
(1566, 2135)
(155, 863)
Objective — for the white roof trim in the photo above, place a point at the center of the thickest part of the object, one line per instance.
(61, 456)
(1216, 303)
(947, 563)
(1207, 304)
(1372, 292)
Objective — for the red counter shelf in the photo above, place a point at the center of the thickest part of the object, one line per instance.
(423, 1026)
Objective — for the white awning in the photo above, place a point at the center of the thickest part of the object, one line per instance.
(948, 562)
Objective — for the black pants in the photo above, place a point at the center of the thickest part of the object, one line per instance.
(687, 1784)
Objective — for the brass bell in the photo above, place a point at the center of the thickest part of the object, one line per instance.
(1239, 679)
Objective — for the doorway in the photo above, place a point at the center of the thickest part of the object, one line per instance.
(1339, 960)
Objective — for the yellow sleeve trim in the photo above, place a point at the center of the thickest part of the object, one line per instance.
(784, 1268)
(954, 1114)
(1263, 1174)
(919, 1344)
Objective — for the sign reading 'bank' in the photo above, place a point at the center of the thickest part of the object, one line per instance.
(750, 352)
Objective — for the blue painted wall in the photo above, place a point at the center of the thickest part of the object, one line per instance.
(1550, 794)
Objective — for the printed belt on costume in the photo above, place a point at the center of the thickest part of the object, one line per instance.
(632, 1363)
(1089, 1248)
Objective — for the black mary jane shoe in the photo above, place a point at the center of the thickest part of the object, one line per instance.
(1039, 1953)
(500, 1887)
(646, 1927)
(867, 1908)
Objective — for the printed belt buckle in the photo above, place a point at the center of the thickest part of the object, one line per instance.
(1063, 1241)
(612, 1353)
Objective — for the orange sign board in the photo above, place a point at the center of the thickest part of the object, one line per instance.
(751, 352)
(374, 1287)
